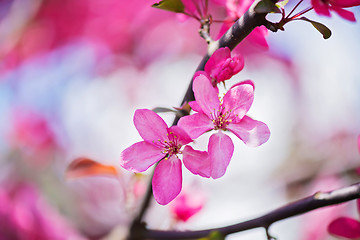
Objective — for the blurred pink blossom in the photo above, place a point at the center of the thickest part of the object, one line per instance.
(323, 7)
(346, 227)
(189, 202)
(25, 215)
(32, 133)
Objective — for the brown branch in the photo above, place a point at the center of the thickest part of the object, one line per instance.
(318, 200)
(240, 29)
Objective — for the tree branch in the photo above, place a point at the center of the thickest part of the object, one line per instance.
(318, 200)
(239, 30)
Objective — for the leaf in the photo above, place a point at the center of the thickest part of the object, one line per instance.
(324, 30)
(162, 110)
(281, 4)
(266, 6)
(170, 5)
(85, 167)
(178, 111)
(214, 235)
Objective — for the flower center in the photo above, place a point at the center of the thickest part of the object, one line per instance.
(170, 146)
(221, 119)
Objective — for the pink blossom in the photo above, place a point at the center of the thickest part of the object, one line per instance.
(358, 142)
(187, 204)
(25, 214)
(323, 7)
(226, 114)
(31, 133)
(346, 227)
(221, 66)
(197, 9)
(161, 144)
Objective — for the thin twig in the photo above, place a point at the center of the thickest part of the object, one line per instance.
(317, 200)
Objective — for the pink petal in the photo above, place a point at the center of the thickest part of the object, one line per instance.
(358, 205)
(220, 55)
(320, 7)
(345, 3)
(140, 156)
(186, 205)
(359, 143)
(221, 66)
(196, 124)
(238, 100)
(220, 150)
(344, 13)
(167, 180)
(150, 126)
(179, 135)
(206, 95)
(245, 82)
(195, 107)
(258, 37)
(190, 7)
(345, 227)
(253, 133)
(197, 162)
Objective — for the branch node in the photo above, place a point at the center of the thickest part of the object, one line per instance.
(268, 235)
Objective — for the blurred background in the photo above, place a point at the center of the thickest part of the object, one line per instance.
(72, 74)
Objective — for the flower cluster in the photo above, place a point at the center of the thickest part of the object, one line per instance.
(163, 144)
(323, 7)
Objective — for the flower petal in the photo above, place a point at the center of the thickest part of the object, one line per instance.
(178, 135)
(195, 124)
(206, 95)
(220, 55)
(345, 227)
(238, 100)
(220, 149)
(167, 180)
(197, 162)
(345, 3)
(344, 13)
(253, 133)
(321, 7)
(195, 107)
(150, 126)
(140, 156)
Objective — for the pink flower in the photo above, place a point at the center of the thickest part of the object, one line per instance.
(358, 143)
(346, 227)
(221, 66)
(323, 7)
(25, 214)
(226, 114)
(187, 204)
(161, 144)
(197, 9)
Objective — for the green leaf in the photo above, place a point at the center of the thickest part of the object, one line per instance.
(214, 235)
(281, 4)
(324, 30)
(266, 6)
(162, 110)
(170, 5)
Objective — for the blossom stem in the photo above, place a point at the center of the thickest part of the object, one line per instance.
(296, 6)
(315, 201)
(301, 13)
